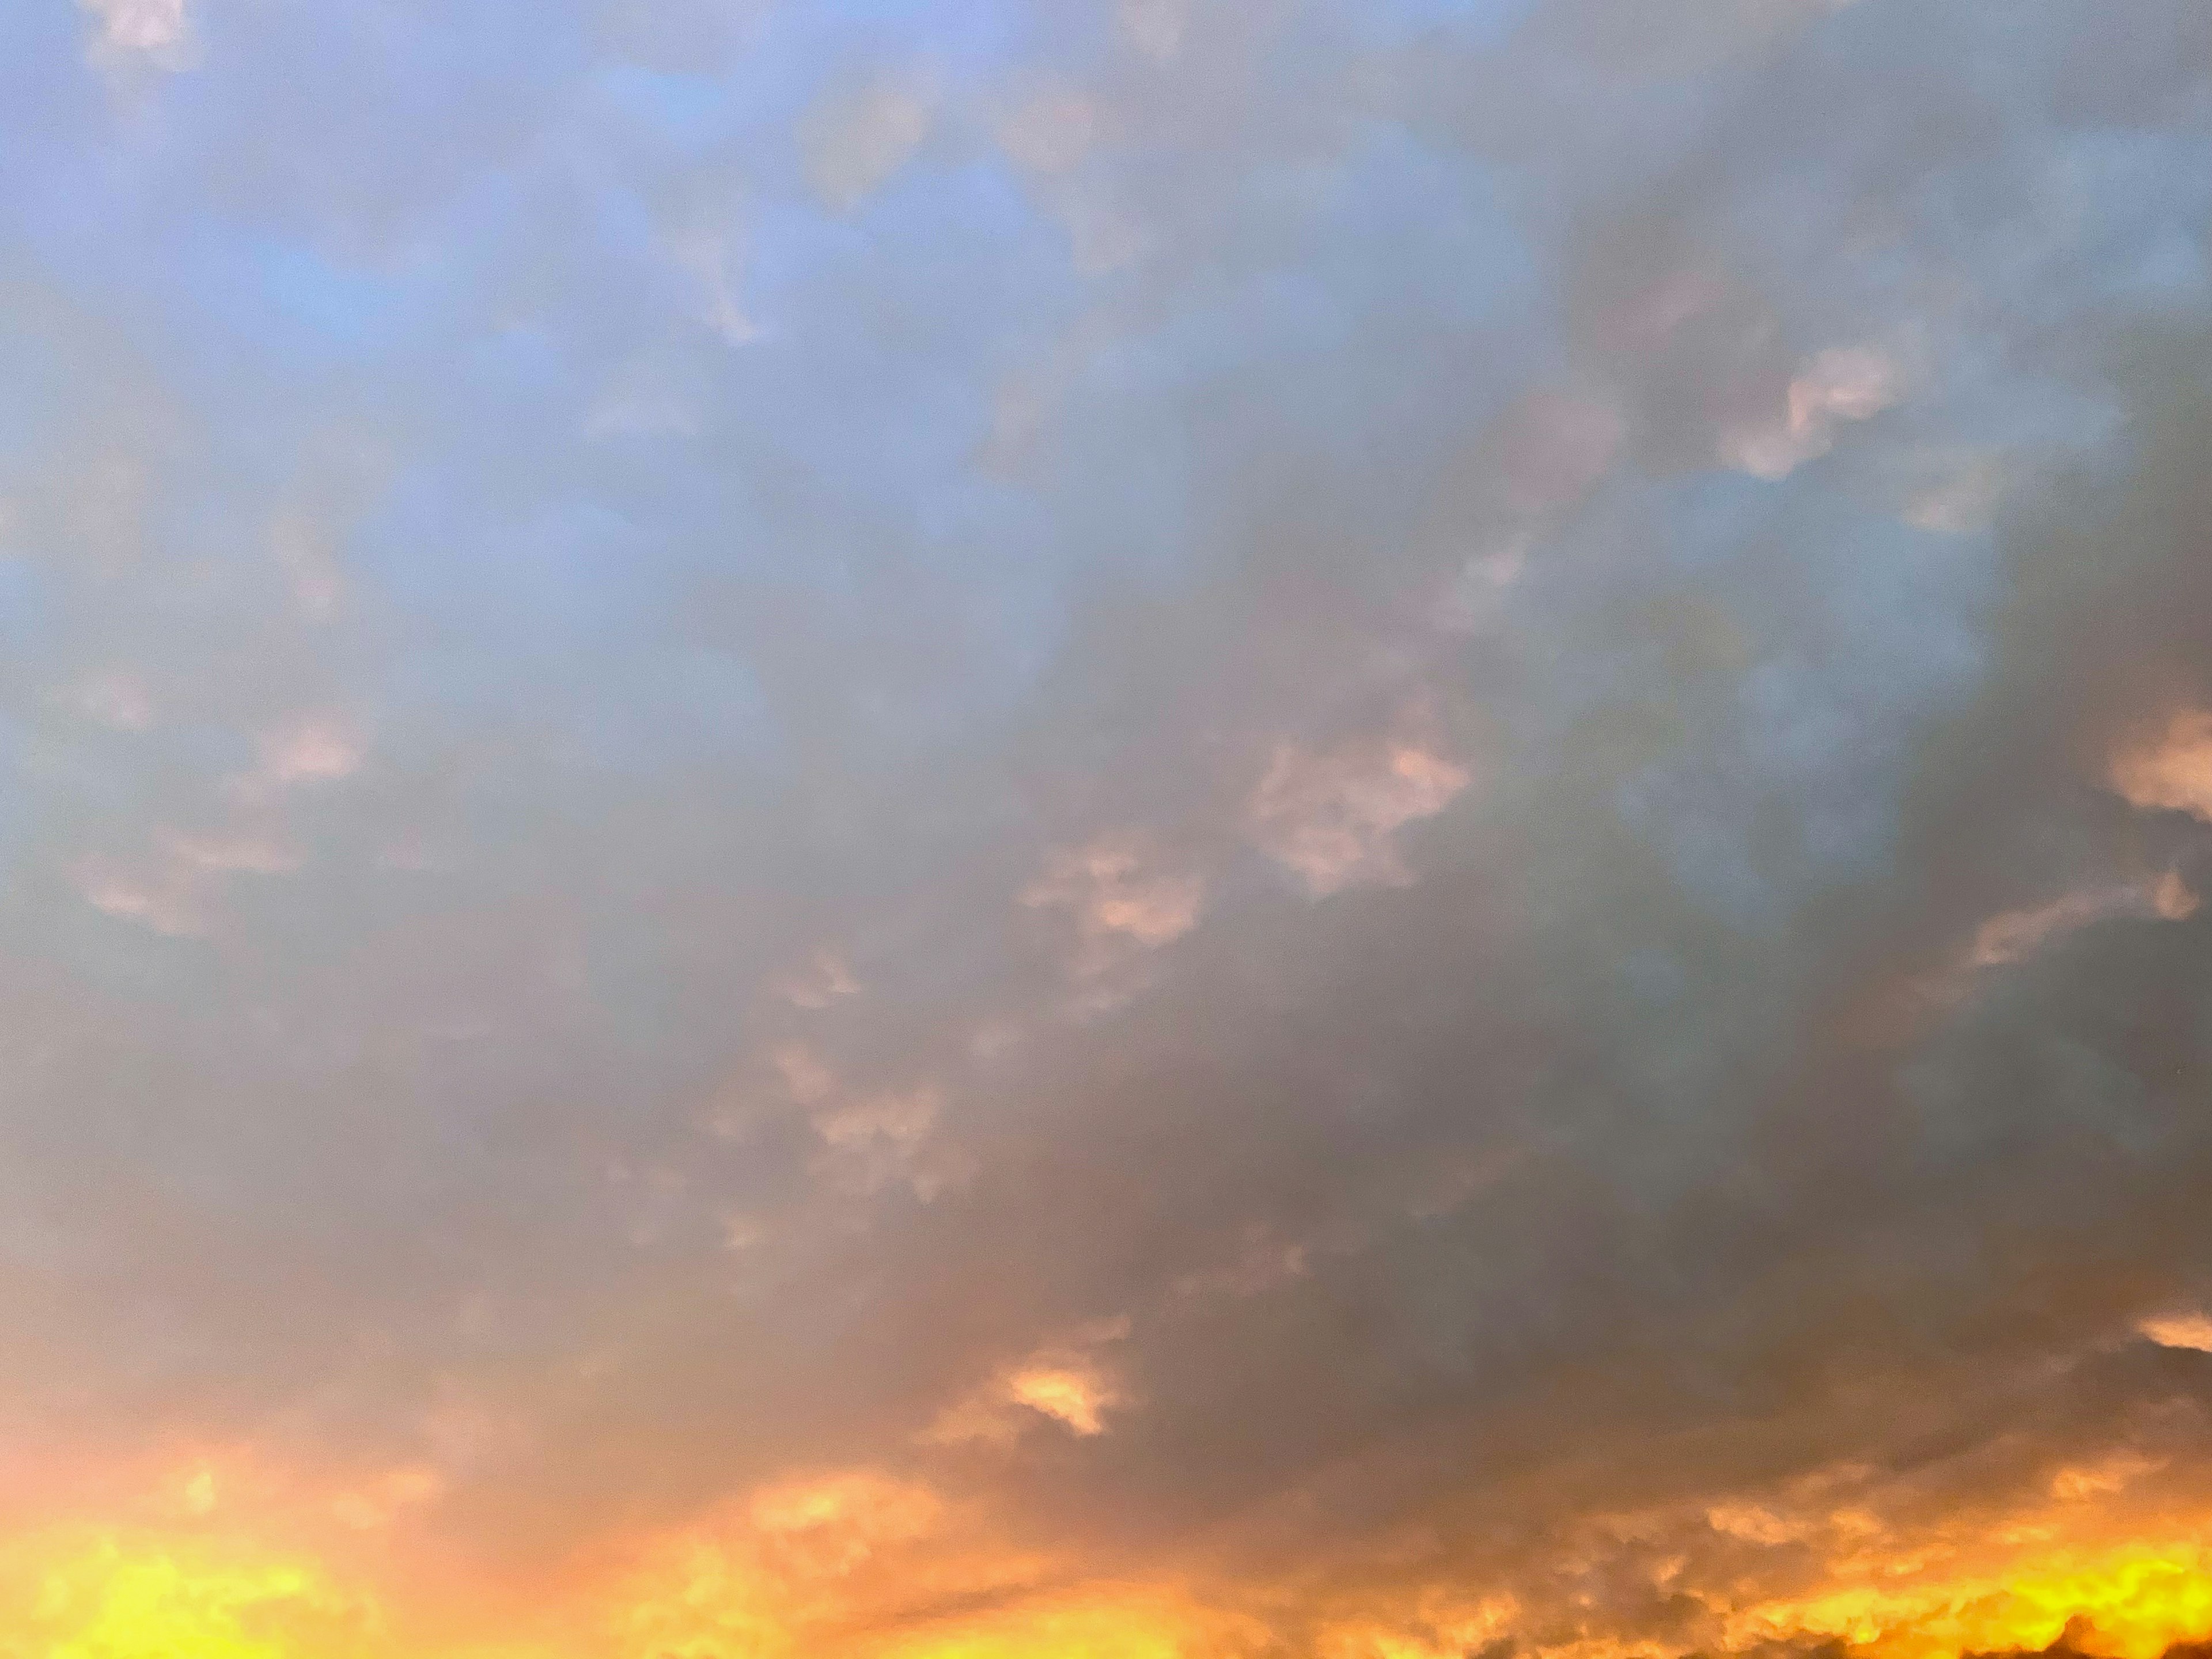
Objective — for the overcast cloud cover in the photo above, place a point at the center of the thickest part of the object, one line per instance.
(1104, 828)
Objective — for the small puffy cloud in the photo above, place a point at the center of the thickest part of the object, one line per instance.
(1475, 599)
(2173, 772)
(825, 978)
(165, 901)
(237, 852)
(869, 1139)
(1330, 818)
(156, 29)
(710, 254)
(855, 140)
(1064, 1382)
(804, 1074)
(2180, 1330)
(2018, 934)
(1848, 382)
(1051, 131)
(315, 748)
(1154, 28)
(119, 700)
(1076, 1396)
(878, 1138)
(1119, 894)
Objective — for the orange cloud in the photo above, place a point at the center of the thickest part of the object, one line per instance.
(1066, 1383)
(1121, 896)
(1331, 817)
(2186, 1330)
(2173, 772)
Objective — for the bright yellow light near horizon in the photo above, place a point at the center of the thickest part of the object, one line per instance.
(108, 1601)
(2128, 1603)
(1135, 1624)
(132, 1596)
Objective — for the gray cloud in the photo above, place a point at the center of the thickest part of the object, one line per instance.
(1267, 829)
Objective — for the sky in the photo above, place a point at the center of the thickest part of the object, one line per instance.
(1105, 829)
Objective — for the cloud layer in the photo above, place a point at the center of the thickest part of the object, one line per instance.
(1157, 829)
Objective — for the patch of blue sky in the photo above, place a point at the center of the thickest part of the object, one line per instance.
(320, 304)
(83, 216)
(690, 112)
(43, 116)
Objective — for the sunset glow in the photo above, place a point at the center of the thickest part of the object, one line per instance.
(1105, 830)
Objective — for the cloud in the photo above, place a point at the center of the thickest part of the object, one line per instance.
(856, 139)
(881, 1137)
(2173, 773)
(1330, 818)
(1155, 28)
(2015, 934)
(824, 979)
(155, 27)
(165, 903)
(1064, 1382)
(1075, 1397)
(1118, 897)
(310, 749)
(1494, 713)
(1051, 131)
(1840, 385)
(2190, 1330)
